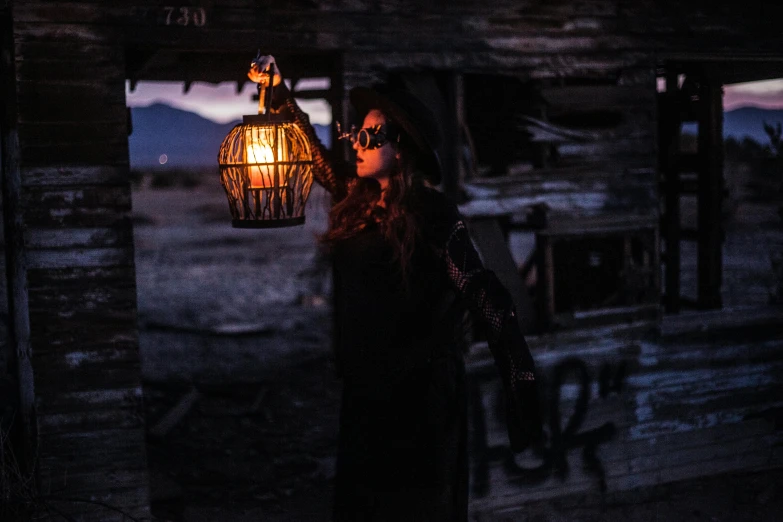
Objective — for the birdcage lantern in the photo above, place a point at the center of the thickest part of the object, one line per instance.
(266, 168)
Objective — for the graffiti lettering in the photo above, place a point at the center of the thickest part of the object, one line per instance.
(554, 454)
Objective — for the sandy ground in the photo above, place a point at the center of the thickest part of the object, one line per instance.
(235, 323)
(235, 328)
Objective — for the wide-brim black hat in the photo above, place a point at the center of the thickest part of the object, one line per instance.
(415, 119)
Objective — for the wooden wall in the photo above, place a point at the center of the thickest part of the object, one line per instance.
(627, 412)
(80, 269)
(71, 70)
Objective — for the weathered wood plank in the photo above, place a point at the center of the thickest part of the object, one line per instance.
(55, 32)
(74, 51)
(94, 398)
(110, 450)
(68, 351)
(21, 375)
(88, 299)
(112, 322)
(535, 18)
(623, 449)
(478, 60)
(82, 257)
(74, 278)
(123, 488)
(117, 417)
(76, 176)
(107, 348)
(121, 234)
(133, 501)
(584, 203)
(84, 72)
(91, 303)
(82, 13)
(506, 496)
(729, 396)
(701, 376)
(100, 151)
(57, 341)
(78, 207)
(752, 460)
(103, 100)
(73, 133)
(631, 146)
(598, 97)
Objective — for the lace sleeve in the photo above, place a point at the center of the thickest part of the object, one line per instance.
(492, 305)
(333, 177)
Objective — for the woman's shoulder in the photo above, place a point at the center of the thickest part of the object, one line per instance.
(440, 213)
(437, 203)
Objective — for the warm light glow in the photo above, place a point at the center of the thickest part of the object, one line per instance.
(267, 173)
(259, 149)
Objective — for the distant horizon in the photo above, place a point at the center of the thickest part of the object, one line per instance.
(218, 103)
(221, 103)
(239, 117)
(177, 137)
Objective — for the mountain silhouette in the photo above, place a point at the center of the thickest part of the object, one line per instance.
(749, 121)
(187, 139)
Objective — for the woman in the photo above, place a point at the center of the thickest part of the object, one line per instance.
(405, 270)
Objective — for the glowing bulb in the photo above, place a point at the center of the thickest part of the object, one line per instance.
(260, 149)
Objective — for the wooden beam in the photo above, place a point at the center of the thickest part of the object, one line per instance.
(24, 439)
(669, 136)
(493, 248)
(710, 194)
(452, 166)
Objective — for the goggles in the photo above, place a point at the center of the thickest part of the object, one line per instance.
(369, 137)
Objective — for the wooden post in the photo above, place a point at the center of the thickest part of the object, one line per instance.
(452, 162)
(670, 149)
(710, 191)
(16, 268)
(337, 100)
(339, 153)
(545, 286)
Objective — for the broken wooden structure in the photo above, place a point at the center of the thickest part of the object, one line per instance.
(552, 104)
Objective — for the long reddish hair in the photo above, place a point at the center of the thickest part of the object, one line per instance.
(400, 223)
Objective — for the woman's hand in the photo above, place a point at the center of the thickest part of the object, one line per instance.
(258, 70)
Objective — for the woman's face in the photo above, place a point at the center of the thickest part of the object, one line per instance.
(375, 163)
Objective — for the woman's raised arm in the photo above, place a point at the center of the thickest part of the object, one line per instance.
(332, 175)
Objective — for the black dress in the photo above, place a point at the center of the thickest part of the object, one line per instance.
(402, 452)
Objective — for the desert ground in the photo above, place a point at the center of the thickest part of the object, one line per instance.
(240, 391)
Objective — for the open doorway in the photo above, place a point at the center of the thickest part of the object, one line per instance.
(719, 184)
(234, 324)
(753, 172)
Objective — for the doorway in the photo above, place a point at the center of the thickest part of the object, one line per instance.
(234, 326)
(704, 263)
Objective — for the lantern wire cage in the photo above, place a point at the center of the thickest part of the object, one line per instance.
(266, 170)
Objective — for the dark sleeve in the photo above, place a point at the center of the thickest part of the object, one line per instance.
(491, 304)
(332, 175)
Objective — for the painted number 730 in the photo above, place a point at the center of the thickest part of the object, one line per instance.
(185, 16)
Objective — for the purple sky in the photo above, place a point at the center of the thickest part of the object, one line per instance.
(220, 102)
(767, 95)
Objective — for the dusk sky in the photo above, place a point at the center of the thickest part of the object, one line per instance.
(220, 103)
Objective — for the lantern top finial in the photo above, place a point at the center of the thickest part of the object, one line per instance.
(264, 72)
